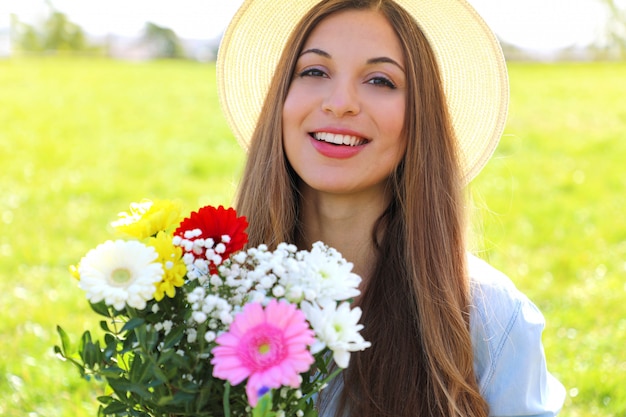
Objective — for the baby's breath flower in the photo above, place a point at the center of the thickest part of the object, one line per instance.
(216, 280)
(278, 291)
(167, 326)
(210, 336)
(199, 317)
(192, 335)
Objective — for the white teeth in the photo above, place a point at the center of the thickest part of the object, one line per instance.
(339, 139)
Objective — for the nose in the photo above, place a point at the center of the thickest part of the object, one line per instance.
(341, 99)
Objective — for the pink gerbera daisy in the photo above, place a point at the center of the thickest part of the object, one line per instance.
(268, 346)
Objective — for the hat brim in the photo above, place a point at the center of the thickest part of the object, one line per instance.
(469, 55)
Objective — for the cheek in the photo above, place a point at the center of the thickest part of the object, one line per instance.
(296, 109)
(291, 121)
(293, 107)
(393, 124)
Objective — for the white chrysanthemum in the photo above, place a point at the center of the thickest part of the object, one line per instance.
(120, 273)
(331, 274)
(336, 327)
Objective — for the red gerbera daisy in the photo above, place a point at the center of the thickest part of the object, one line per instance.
(213, 233)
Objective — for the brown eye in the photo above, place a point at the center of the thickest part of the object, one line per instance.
(383, 82)
(313, 72)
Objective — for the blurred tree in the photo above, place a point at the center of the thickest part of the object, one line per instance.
(61, 34)
(24, 37)
(164, 41)
(57, 33)
(614, 43)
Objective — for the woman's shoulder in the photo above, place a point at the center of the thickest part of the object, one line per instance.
(487, 281)
(497, 308)
(509, 360)
(495, 297)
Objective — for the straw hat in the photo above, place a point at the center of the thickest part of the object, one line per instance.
(469, 56)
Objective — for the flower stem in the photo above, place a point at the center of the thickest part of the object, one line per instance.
(226, 399)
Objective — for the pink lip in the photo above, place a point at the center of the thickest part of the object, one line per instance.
(330, 150)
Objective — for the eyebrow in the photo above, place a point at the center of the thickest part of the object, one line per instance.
(316, 51)
(384, 59)
(377, 60)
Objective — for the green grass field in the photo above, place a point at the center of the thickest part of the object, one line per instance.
(82, 138)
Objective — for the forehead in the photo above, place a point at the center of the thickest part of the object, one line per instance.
(349, 30)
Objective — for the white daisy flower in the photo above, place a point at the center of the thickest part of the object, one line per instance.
(120, 273)
(336, 327)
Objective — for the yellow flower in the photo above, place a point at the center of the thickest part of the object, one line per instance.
(171, 258)
(147, 218)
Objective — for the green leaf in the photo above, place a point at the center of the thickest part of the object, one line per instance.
(105, 399)
(58, 351)
(264, 406)
(321, 365)
(115, 407)
(111, 372)
(133, 324)
(84, 347)
(65, 342)
(165, 400)
(101, 308)
(120, 392)
(124, 386)
(137, 413)
(151, 339)
(137, 369)
(167, 357)
(311, 412)
(104, 325)
(110, 350)
(61, 354)
(129, 343)
(174, 336)
(159, 375)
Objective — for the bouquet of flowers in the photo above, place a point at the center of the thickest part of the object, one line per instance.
(194, 325)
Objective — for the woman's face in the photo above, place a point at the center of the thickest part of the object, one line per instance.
(344, 113)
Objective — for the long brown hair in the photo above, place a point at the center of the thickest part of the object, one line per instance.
(416, 304)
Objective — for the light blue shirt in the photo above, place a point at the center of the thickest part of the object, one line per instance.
(509, 359)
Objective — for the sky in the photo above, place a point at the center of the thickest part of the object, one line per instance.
(541, 25)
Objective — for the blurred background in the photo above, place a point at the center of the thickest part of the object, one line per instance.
(144, 29)
(103, 103)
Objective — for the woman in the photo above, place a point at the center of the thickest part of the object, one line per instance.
(363, 133)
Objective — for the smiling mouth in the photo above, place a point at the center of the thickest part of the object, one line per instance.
(347, 140)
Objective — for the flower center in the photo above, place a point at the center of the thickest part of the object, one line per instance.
(263, 347)
(121, 276)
